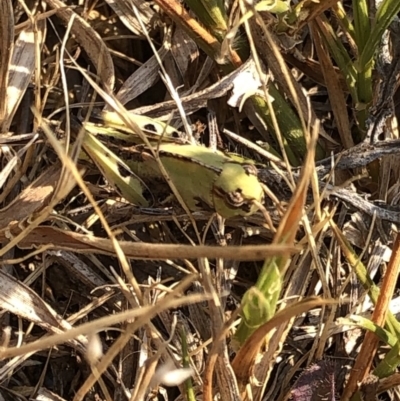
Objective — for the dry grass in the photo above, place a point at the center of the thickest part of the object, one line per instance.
(99, 296)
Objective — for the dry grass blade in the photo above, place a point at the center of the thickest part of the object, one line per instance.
(226, 379)
(142, 319)
(6, 46)
(80, 270)
(21, 68)
(389, 383)
(336, 94)
(53, 238)
(184, 51)
(45, 394)
(14, 162)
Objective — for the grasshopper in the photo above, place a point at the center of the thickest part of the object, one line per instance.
(205, 179)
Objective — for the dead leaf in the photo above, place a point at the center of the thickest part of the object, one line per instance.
(91, 41)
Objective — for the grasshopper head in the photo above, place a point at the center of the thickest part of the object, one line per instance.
(235, 189)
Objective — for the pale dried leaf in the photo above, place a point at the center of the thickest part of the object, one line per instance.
(91, 41)
(6, 50)
(55, 238)
(380, 253)
(45, 395)
(13, 161)
(356, 230)
(20, 300)
(245, 85)
(22, 68)
(78, 269)
(394, 191)
(125, 12)
(32, 199)
(184, 50)
(195, 101)
(94, 349)
(142, 79)
(169, 376)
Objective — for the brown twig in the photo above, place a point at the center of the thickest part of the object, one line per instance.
(199, 34)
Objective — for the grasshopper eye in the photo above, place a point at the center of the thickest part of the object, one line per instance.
(250, 169)
(235, 198)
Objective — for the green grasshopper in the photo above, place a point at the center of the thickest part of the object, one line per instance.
(205, 179)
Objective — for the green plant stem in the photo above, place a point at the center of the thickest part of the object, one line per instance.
(364, 87)
(190, 395)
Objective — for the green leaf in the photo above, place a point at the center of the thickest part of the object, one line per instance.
(362, 24)
(387, 11)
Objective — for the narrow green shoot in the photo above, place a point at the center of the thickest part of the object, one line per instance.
(189, 390)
